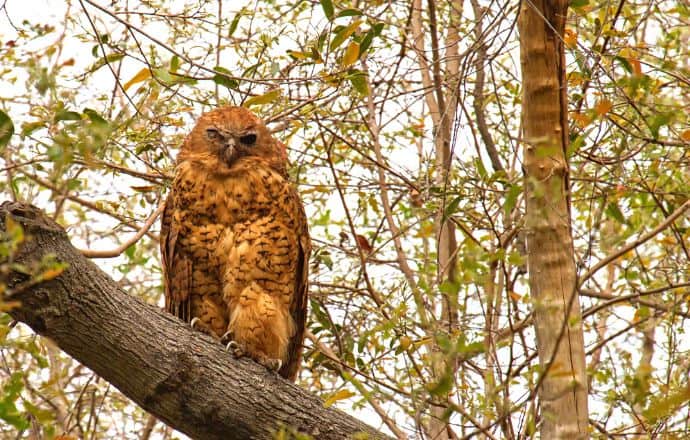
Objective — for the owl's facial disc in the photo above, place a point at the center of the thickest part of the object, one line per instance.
(225, 143)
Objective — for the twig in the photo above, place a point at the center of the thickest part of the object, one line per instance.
(91, 253)
(326, 351)
(641, 240)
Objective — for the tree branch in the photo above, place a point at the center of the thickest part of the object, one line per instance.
(181, 376)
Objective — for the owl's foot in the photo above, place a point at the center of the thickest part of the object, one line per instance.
(200, 326)
(236, 348)
(239, 350)
(271, 364)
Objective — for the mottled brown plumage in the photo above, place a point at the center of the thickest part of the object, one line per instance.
(234, 240)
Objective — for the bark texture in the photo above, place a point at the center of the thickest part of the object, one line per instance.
(552, 276)
(181, 376)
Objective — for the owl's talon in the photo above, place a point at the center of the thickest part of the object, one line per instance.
(226, 338)
(272, 364)
(235, 348)
(197, 324)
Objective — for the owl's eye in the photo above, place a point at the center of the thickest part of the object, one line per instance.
(214, 135)
(248, 139)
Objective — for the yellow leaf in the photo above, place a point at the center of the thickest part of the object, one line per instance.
(685, 135)
(6, 306)
(405, 342)
(667, 404)
(581, 120)
(575, 79)
(142, 75)
(299, 55)
(570, 38)
(52, 273)
(602, 107)
(344, 34)
(351, 54)
(340, 395)
(626, 52)
(636, 66)
(263, 99)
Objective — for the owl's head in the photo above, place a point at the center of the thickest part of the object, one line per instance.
(224, 136)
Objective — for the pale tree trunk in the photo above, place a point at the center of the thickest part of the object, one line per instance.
(440, 79)
(550, 254)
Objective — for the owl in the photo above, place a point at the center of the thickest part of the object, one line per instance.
(234, 241)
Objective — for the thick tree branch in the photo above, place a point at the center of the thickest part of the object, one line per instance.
(181, 376)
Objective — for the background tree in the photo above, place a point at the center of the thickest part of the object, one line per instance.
(562, 384)
(402, 123)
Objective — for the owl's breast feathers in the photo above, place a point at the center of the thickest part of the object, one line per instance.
(223, 233)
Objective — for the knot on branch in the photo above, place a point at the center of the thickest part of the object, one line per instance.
(30, 217)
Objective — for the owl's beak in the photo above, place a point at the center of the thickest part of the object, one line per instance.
(229, 150)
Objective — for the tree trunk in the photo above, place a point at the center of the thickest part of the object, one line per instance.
(181, 376)
(550, 254)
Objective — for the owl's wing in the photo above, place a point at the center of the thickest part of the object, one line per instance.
(300, 298)
(177, 267)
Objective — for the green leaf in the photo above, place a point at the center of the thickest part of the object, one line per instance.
(667, 405)
(472, 348)
(6, 129)
(30, 127)
(451, 207)
(42, 415)
(450, 289)
(481, 169)
(66, 115)
(576, 144)
(442, 387)
(328, 10)
(8, 410)
(234, 23)
(266, 98)
(375, 31)
(169, 78)
(344, 33)
(614, 212)
(358, 79)
(10, 414)
(130, 251)
(658, 120)
(108, 59)
(251, 70)
(578, 3)
(511, 198)
(222, 78)
(624, 63)
(349, 13)
(95, 117)
(174, 63)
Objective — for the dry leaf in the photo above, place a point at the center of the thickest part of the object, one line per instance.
(142, 75)
(570, 38)
(363, 244)
(602, 107)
